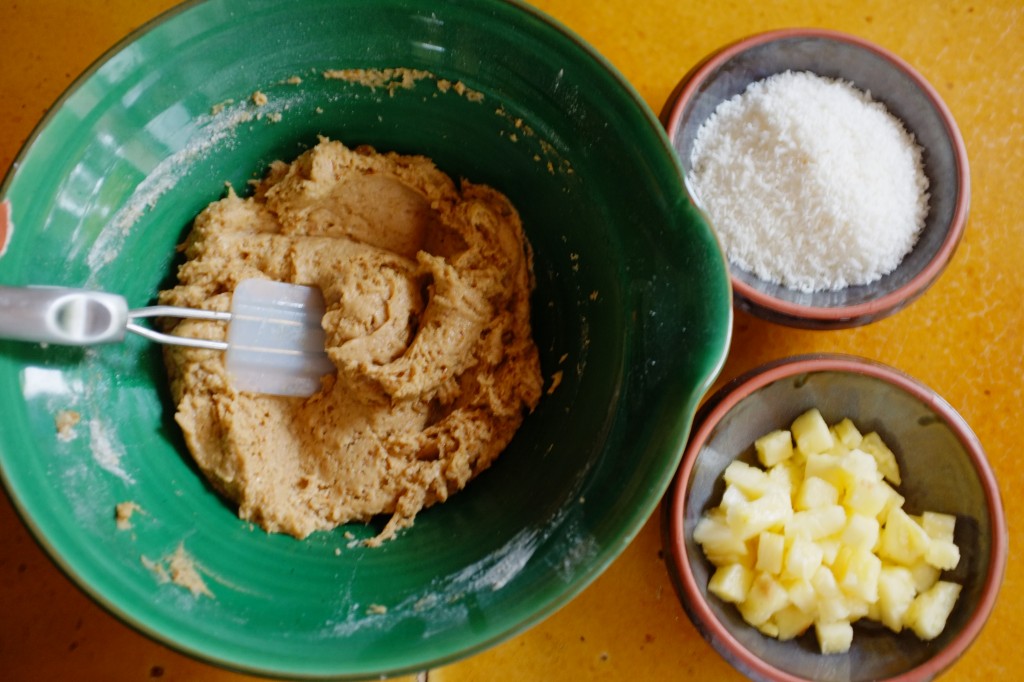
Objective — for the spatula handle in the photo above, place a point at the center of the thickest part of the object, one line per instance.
(69, 317)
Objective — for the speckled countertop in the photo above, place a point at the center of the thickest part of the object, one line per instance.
(964, 338)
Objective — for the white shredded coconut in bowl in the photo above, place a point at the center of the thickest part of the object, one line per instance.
(809, 183)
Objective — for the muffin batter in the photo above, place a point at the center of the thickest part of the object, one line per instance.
(426, 286)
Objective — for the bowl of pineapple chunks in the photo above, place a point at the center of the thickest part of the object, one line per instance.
(834, 519)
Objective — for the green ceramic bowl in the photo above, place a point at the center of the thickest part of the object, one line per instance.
(632, 307)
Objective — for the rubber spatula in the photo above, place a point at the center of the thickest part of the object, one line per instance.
(275, 344)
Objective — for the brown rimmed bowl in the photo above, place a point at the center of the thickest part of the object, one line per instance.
(944, 469)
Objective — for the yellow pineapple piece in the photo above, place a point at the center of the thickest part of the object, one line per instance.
(832, 603)
(868, 497)
(902, 541)
(815, 492)
(942, 554)
(802, 595)
(847, 433)
(774, 447)
(816, 523)
(731, 583)
(792, 622)
(938, 526)
(827, 467)
(895, 500)
(787, 475)
(802, 559)
(896, 591)
(835, 637)
(720, 544)
(765, 513)
(771, 549)
(811, 432)
(830, 547)
(766, 596)
(930, 610)
(856, 572)
(872, 444)
(732, 496)
(858, 465)
(925, 575)
(861, 532)
(751, 480)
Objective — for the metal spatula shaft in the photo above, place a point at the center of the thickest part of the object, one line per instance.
(275, 344)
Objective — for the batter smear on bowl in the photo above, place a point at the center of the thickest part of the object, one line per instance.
(427, 286)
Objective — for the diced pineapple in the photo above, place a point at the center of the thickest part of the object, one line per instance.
(830, 547)
(765, 513)
(827, 467)
(771, 549)
(902, 540)
(895, 593)
(847, 433)
(856, 571)
(930, 610)
(802, 559)
(857, 608)
(858, 465)
(792, 622)
(720, 544)
(766, 596)
(867, 497)
(731, 583)
(816, 523)
(732, 496)
(861, 532)
(802, 595)
(942, 554)
(874, 612)
(838, 447)
(821, 536)
(925, 575)
(811, 432)
(835, 637)
(872, 444)
(832, 603)
(894, 500)
(774, 447)
(939, 526)
(815, 492)
(787, 475)
(752, 481)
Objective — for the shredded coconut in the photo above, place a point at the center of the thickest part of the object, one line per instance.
(810, 183)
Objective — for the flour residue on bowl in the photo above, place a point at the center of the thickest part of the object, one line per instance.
(106, 451)
(218, 127)
(445, 603)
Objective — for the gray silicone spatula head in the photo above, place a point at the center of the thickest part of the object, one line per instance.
(275, 340)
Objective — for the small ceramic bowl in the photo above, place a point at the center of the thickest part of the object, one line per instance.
(943, 469)
(906, 94)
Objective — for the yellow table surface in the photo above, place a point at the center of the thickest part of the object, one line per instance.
(964, 338)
